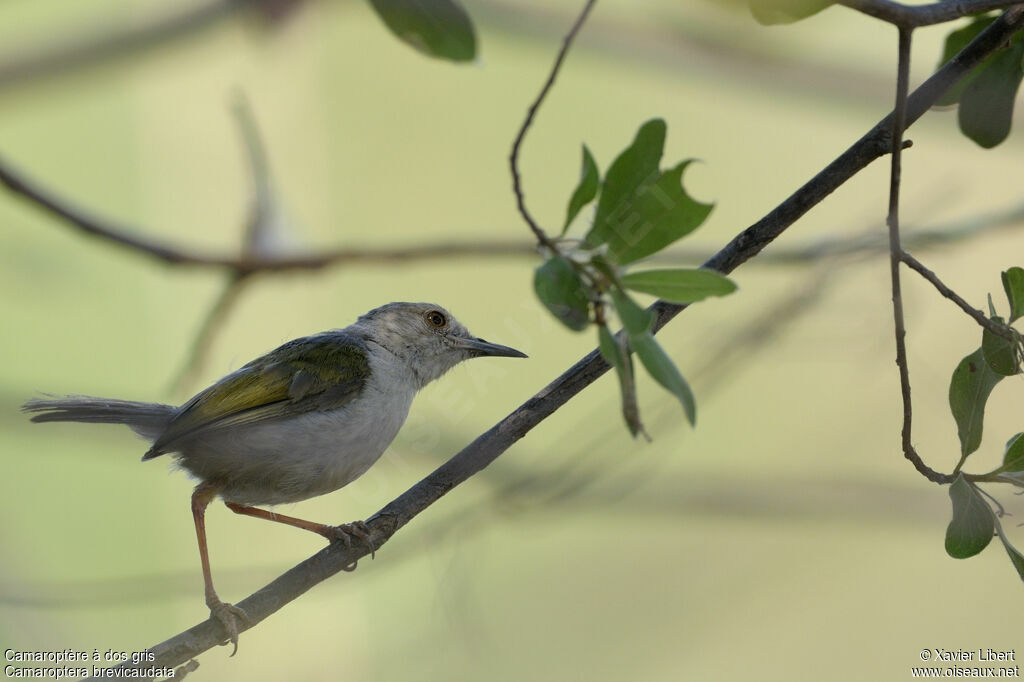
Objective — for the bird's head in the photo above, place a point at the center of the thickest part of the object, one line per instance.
(427, 337)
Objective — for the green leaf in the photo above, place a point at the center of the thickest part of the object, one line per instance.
(605, 267)
(634, 168)
(608, 346)
(1000, 354)
(560, 289)
(785, 11)
(1013, 285)
(955, 42)
(683, 285)
(1016, 558)
(1013, 458)
(635, 319)
(660, 366)
(586, 190)
(437, 28)
(986, 104)
(615, 354)
(650, 219)
(637, 322)
(969, 389)
(973, 524)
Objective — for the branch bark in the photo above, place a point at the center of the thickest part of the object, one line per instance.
(247, 263)
(491, 444)
(913, 16)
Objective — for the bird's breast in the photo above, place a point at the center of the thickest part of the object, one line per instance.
(305, 455)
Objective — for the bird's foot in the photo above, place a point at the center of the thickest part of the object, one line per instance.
(345, 532)
(230, 616)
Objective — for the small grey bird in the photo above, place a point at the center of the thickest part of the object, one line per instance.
(303, 420)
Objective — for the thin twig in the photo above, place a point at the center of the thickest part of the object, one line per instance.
(913, 16)
(120, 235)
(892, 220)
(1000, 330)
(899, 122)
(491, 444)
(513, 159)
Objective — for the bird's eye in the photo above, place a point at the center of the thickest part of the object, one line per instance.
(436, 318)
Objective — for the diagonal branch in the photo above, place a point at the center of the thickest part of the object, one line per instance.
(491, 444)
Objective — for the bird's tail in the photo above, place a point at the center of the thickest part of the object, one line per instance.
(148, 420)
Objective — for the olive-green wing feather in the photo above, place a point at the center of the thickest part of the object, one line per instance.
(314, 373)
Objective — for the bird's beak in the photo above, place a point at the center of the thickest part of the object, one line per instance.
(481, 347)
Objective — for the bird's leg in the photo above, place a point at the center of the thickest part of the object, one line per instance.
(344, 532)
(228, 614)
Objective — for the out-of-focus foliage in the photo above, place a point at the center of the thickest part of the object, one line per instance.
(438, 28)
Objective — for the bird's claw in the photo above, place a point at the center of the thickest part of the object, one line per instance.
(229, 616)
(346, 531)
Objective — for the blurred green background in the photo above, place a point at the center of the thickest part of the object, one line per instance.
(785, 538)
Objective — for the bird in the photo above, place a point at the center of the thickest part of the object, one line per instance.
(303, 420)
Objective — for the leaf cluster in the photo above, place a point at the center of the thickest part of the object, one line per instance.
(974, 522)
(640, 210)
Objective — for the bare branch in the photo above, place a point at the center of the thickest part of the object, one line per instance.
(912, 16)
(895, 248)
(491, 444)
(513, 158)
(123, 236)
(1000, 330)
(899, 124)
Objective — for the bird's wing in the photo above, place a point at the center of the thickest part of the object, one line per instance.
(314, 373)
